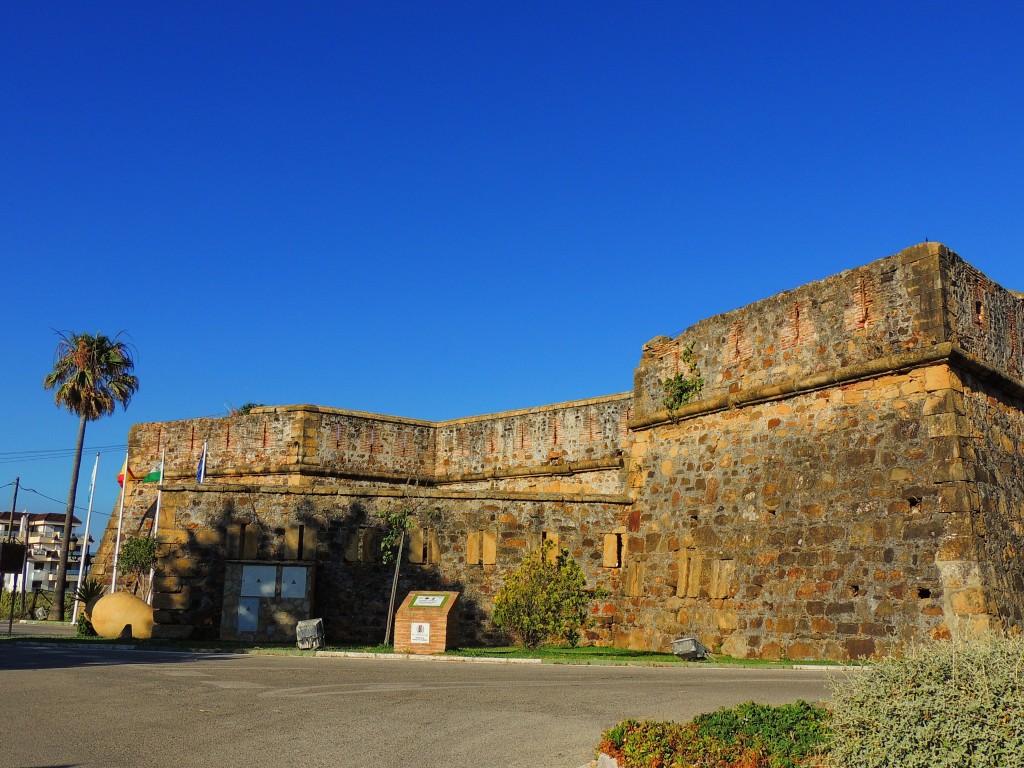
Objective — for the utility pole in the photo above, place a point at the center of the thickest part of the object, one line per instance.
(10, 539)
(14, 503)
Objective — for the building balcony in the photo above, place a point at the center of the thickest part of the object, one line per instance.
(47, 539)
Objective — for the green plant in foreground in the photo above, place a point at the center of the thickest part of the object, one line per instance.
(750, 735)
(396, 523)
(942, 704)
(137, 558)
(84, 626)
(684, 386)
(89, 590)
(545, 598)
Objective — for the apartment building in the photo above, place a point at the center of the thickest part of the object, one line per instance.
(44, 532)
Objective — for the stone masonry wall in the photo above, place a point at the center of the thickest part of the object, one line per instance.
(804, 527)
(986, 320)
(854, 319)
(463, 544)
(567, 449)
(850, 477)
(984, 560)
(586, 433)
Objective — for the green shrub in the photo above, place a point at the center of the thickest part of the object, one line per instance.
(749, 735)
(6, 598)
(545, 598)
(138, 556)
(84, 626)
(943, 704)
(88, 591)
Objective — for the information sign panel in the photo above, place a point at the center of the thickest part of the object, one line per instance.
(429, 601)
(419, 633)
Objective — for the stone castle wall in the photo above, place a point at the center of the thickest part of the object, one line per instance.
(855, 322)
(459, 543)
(849, 478)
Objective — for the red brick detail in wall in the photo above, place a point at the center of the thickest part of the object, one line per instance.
(860, 315)
(738, 345)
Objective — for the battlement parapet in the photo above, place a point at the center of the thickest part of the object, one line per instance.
(906, 310)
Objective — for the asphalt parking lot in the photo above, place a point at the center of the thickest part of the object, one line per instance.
(80, 706)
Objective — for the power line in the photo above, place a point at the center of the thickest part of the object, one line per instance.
(11, 457)
(50, 498)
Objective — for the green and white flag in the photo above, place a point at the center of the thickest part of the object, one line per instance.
(155, 474)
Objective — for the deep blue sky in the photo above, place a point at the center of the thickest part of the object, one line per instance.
(444, 209)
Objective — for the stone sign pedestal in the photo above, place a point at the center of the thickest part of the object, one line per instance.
(427, 622)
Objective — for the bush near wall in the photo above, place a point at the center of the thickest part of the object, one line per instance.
(941, 705)
(750, 735)
(545, 598)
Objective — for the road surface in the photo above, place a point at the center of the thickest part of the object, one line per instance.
(77, 706)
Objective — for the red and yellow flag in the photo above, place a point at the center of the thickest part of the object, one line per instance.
(125, 471)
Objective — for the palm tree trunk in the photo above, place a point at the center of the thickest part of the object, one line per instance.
(65, 542)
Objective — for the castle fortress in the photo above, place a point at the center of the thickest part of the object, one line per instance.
(849, 477)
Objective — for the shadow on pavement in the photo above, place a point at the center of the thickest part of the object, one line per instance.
(21, 655)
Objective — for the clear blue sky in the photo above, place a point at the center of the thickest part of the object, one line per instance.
(440, 209)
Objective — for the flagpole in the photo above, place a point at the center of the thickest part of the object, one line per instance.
(202, 465)
(156, 521)
(85, 547)
(120, 520)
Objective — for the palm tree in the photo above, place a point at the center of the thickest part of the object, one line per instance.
(90, 376)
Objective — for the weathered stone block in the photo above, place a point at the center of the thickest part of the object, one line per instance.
(489, 547)
(167, 583)
(209, 537)
(968, 601)
(859, 648)
(171, 600)
(473, 548)
(171, 536)
(937, 377)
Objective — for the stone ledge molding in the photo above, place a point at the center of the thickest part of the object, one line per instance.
(410, 492)
(946, 352)
(560, 469)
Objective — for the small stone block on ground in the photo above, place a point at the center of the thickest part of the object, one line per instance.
(309, 634)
